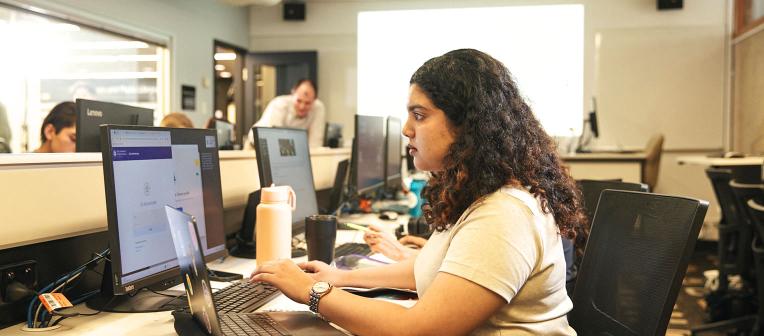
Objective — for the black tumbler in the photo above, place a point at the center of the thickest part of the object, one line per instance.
(320, 234)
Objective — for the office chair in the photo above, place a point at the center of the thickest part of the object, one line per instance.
(590, 192)
(756, 210)
(653, 151)
(728, 310)
(636, 258)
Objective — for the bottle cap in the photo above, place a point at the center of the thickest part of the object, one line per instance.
(280, 194)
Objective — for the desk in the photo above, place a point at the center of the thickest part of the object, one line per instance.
(747, 169)
(161, 323)
(630, 167)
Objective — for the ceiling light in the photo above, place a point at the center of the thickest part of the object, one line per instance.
(225, 74)
(219, 67)
(225, 56)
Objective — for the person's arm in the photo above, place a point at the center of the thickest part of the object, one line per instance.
(433, 314)
(316, 130)
(381, 241)
(413, 240)
(398, 275)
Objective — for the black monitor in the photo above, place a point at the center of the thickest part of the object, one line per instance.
(91, 114)
(333, 135)
(225, 134)
(283, 158)
(146, 168)
(593, 125)
(368, 158)
(393, 159)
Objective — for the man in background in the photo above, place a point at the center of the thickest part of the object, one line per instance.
(301, 109)
(58, 133)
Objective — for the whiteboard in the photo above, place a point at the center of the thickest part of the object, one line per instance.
(666, 80)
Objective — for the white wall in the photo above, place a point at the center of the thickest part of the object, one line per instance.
(673, 60)
(657, 71)
(192, 26)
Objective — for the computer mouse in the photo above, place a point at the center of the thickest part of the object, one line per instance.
(388, 215)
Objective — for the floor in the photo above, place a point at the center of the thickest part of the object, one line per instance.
(690, 306)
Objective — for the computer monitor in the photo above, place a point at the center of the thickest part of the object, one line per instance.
(225, 134)
(283, 158)
(146, 168)
(593, 125)
(333, 135)
(368, 158)
(91, 114)
(393, 159)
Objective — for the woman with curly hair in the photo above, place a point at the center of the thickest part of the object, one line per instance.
(501, 203)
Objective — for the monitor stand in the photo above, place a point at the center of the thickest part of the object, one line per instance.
(142, 302)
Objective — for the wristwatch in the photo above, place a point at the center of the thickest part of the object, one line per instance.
(318, 291)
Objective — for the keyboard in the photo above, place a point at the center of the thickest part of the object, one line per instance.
(240, 297)
(250, 324)
(351, 248)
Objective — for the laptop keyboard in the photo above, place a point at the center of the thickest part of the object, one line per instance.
(240, 297)
(351, 248)
(250, 324)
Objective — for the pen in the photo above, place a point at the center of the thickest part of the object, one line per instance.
(359, 227)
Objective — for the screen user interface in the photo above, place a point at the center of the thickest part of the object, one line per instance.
(154, 168)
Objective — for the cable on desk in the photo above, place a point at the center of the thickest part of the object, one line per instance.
(60, 284)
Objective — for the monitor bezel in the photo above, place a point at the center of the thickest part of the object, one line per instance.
(84, 142)
(169, 276)
(393, 180)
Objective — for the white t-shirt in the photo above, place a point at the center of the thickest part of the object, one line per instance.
(280, 113)
(506, 244)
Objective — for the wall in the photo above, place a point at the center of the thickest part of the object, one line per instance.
(192, 26)
(748, 100)
(665, 71)
(627, 73)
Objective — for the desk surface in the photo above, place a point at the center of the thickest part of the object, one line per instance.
(604, 156)
(720, 162)
(161, 323)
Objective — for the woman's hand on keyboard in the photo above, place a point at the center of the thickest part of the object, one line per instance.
(289, 278)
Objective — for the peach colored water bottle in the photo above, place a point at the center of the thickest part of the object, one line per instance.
(273, 233)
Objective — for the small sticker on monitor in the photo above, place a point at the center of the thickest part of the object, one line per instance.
(210, 139)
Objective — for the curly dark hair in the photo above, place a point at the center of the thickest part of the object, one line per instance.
(498, 142)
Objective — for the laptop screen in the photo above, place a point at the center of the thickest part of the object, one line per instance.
(193, 270)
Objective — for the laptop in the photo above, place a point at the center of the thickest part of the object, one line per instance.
(204, 318)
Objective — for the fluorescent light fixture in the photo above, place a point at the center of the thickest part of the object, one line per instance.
(225, 56)
(225, 74)
(115, 58)
(109, 45)
(219, 67)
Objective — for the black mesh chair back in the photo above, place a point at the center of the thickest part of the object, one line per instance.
(636, 258)
(591, 190)
(742, 193)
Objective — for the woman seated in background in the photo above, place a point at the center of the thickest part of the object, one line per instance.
(58, 133)
(176, 120)
(500, 203)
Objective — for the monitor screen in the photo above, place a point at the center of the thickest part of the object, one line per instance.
(146, 168)
(393, 150)
(333, 135)
(91, 114)
(369, 153)
(283, 159)
(225, 134)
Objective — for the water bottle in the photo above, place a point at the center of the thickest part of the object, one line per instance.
(273, 233)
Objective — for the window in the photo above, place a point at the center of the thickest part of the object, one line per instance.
(541, 45)
(47, 60)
